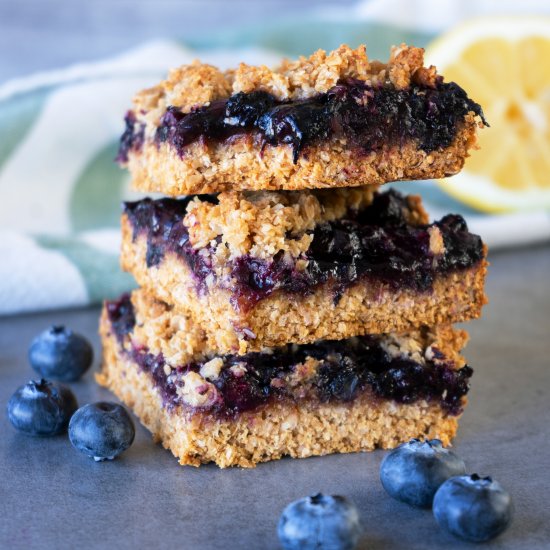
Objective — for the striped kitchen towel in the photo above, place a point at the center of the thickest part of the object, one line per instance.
(60, 190)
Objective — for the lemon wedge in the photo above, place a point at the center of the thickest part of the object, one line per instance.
(504, 65)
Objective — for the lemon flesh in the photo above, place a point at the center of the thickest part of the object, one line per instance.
(504, 64)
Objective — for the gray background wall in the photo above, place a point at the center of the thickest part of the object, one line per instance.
(47, 34)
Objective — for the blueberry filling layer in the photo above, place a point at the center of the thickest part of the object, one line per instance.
(369, 117)
(344, 370)
(133, 137)
(121, 316)
(376, 242)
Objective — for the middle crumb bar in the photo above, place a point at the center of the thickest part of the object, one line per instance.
(262, 269)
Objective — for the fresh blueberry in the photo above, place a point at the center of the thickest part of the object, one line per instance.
(473, 508)
(41, 408)
(413, 472)
(101, 430)
(61, 354)
(319, 522)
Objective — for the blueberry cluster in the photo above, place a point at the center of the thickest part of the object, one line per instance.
(425, 474)
(419, 473)
(42, 408)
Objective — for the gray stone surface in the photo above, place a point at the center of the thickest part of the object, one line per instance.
(53, 497)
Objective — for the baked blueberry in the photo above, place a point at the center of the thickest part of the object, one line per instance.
(41, 408)
(473, 508)
(61, 354)
(319, 522)
(101, 430)
(413, 472)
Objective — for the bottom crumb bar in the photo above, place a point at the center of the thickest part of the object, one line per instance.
(300, 401)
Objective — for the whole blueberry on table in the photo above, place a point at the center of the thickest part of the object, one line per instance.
(101, 430)
(319, 522)
(473, 508)
(413, 472)
(41, 408)
(61, 354)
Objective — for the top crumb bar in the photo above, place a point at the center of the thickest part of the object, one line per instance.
(331, 120)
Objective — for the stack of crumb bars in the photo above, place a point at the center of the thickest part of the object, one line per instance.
(288, 303)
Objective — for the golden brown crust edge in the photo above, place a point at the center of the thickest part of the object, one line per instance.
(280, 319)
(197, 84)
(263, 224)
(240, 164)
(276, 431)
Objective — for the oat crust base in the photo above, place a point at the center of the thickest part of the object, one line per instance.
(242, 164)
(275, 431)
(165, 330)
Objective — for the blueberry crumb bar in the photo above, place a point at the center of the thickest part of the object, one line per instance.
(326, 397)
(263, 269)
(334, 119)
